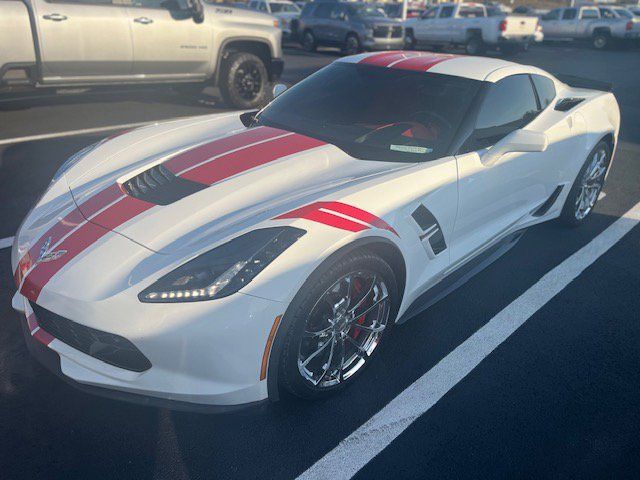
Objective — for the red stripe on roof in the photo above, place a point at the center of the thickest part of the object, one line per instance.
(218, 147)
(242, 160)
(422, 63)
(385, 58)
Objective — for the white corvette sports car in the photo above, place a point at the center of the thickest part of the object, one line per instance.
(219, 260)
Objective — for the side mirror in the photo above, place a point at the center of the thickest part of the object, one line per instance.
(197, 10)
(518, 141)
(278, 89)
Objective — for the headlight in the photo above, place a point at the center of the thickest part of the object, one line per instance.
(73, 159)
(223, 270)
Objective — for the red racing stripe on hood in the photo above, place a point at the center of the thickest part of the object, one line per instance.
(201, 153)
(238, 161)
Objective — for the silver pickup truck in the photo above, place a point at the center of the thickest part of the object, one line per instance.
(591, 23)
(70, 43)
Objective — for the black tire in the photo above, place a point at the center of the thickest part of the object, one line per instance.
(290, 377)
(410, 41)
(244, 81)
(309, 42)
(474, 46)
(569, 215)
(351, 45)
(601, 40)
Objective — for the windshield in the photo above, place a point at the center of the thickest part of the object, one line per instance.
(367, 11)
(623, 13)
(376, 113)
(283, 7)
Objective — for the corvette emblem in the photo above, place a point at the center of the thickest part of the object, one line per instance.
(46, 255)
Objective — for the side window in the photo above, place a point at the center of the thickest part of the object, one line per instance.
(471, 12)
(338, 13)
(159, 4)
(569, 14)
(509, 105)
(591, 13)
(552, 15)
(545, 88)
(253, 5)
(606, 13)
(307, 10)
(446, 12)
(262, 7)
(95, 2)
(431, 13)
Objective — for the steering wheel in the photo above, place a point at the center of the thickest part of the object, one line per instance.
(424, 116)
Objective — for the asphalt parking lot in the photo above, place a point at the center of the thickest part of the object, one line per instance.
(557, 396)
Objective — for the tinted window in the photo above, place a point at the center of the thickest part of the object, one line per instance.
(471, 12)
(307, 9)
(589, 13)
(446, 12)
(323, 10)
(509, 105)
(545, 88)
(569, 14)
(376, 113)
(431, 13)
(338, 13)
(623, 12)
(552, 15)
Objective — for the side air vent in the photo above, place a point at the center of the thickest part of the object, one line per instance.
(160, 186)
(548, 203)
(430, 228)
(566, 104)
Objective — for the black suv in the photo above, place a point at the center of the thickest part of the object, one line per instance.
(353, 27)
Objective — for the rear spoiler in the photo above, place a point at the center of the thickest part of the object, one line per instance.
(579, 82)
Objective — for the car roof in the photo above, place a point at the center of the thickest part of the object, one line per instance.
(476, 68)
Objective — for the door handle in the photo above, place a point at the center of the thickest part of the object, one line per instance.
(56, 17)
(143, 20)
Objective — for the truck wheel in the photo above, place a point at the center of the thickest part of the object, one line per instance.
(244, 80)
(601, 40)
(351, 45)
(474, 46)
(309, 42)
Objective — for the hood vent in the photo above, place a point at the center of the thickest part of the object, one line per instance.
(160, 186)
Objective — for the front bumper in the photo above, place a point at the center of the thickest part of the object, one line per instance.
(379, 44)
(198, 364)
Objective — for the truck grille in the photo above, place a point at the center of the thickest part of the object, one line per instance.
(109, 348)
(160, 186)
(386, 31)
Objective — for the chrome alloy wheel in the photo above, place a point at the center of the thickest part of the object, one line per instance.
(343, 329)
(591, 184)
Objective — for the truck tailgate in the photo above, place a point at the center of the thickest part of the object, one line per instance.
(519, 26)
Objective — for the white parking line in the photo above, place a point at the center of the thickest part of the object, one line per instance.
(71, 133)
(355, 451)
(6, 242)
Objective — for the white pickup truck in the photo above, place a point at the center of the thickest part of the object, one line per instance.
(89, 43)
(468, 25)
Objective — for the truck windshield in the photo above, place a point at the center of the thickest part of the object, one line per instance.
(376, 113)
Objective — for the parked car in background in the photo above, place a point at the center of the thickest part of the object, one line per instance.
(58, 44)
(288, 13)
(353, 27)
(588, 24)
(469, 25)
(394, 10)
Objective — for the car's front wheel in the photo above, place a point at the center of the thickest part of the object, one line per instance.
(586, 188)
(309, 42)
(337, 325)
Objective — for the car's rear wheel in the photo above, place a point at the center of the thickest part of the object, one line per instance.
(586, 189)
(244, 81)
(337, 325)
(351, 45)
(474, 46)
(309, 42)
(601, 40)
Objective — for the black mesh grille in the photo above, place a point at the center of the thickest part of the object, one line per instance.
(160, 186)
(109, 348)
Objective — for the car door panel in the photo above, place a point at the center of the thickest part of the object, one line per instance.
(83, 39)
(167, 42)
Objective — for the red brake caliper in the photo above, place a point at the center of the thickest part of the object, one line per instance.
(355, 332)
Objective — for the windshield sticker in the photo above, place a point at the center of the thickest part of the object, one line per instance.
(410, 149)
